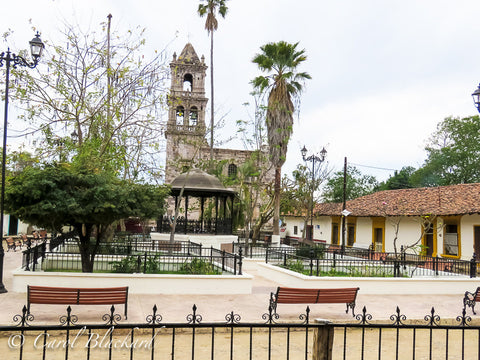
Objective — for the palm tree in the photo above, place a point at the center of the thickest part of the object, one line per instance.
(210, 8)
(283, 84)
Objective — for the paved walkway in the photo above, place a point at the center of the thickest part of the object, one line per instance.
(214, 308)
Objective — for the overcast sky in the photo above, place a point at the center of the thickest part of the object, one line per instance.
(384, 73)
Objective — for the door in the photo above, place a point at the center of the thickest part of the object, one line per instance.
(476, 241)
(429, 244)
(335, 234)
(12, 225)
(378, 239)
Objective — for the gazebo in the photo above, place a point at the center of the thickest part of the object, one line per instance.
(200, 190)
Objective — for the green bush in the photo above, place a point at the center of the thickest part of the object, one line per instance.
(198, 267)
(307, 251)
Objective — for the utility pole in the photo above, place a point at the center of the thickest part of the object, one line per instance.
(344, 203)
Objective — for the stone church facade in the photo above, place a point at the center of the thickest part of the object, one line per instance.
(185, 133)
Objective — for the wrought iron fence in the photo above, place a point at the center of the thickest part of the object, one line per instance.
(430, 338)
(186, 226)
(324, 258)
(135, 245)
(221, 261)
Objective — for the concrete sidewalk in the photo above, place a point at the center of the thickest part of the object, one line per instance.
(214, 308)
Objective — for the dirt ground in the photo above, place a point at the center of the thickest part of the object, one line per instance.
(181, 344)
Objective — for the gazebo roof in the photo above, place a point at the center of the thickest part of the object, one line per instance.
(198, 183)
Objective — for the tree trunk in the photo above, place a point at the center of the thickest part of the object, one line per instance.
(276, 211)
(87, 249)
(212, 109)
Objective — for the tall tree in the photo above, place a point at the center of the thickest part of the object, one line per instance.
(98, 97)
(284, 85)
(210, 8)
(297, 196)
(358, 185)
(453, 152)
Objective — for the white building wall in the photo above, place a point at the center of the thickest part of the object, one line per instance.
(467, 223)
(409, 232)
(363, 229)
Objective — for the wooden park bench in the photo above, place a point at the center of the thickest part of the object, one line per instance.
(286, 295)
(470, 299)
(76, 296)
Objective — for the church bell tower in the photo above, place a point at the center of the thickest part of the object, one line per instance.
(185, 131)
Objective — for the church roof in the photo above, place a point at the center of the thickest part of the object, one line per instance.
(188, 55)
(198, 183)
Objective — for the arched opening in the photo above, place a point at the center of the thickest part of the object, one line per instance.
(180, 113)
(188, 82)
(232, 171)
(193, 116)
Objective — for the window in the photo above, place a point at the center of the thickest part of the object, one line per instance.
(193, 116)
(232, 171)
(295, 230)
(187, 82)
(450, 241)
(180, 115)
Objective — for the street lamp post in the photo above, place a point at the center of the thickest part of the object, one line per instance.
(314, 159)
(12, 60)
(476, 98)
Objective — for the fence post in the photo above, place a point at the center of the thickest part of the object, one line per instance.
(35, 256)
(323, 341)
(312, 255)
(139, 263)
(223, 260)
(435, 260)
(266, 255)
(285, 258)
(334, 259)
(26, 255)
(473, 266)
(145, 263)
(240, 262)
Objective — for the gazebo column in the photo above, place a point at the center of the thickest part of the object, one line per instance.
(202, 202)
(231, 214)
(224, 223)
(186, 214)
(216, 214)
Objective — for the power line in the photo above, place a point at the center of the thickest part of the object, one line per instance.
(374, 167)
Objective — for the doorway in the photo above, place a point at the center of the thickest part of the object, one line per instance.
(476, 240)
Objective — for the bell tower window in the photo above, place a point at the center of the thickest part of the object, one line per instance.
(187, 82)
(193, 116)
(180, 115)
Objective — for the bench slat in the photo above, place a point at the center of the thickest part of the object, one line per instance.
(77, 296)
(286, 295)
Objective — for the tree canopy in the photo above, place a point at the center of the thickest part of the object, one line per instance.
(89, 201)
(96, 96)
(358, 185)
(453, 153)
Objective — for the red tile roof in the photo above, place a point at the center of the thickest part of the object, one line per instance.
(443, 200)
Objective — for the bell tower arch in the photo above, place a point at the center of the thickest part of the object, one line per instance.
(185, 131)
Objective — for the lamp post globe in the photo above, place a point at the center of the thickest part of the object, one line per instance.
(476, 98)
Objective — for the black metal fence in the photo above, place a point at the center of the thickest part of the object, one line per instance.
(323, 259)
(430, 338)
(219, 261)
(186, 226)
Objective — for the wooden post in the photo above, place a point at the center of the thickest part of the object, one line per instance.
(323, 341)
